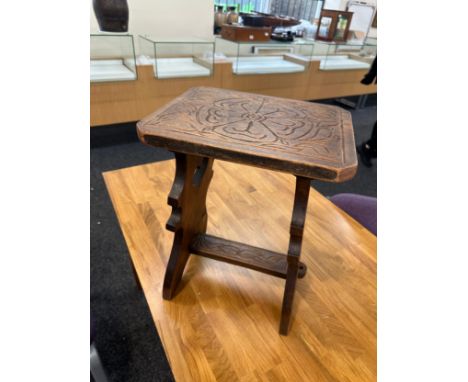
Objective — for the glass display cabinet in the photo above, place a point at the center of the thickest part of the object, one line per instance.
(177, 58)
(346, 56)
(112, 57)
(334, 25)
(266, 57)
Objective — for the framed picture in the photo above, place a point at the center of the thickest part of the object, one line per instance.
(334, 25)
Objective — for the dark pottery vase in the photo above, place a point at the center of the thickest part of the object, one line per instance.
(112, 15)
(219, 17)
(232, 16)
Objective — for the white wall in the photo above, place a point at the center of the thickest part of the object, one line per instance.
(167, 19)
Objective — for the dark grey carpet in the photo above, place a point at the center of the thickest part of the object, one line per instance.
(126, 337)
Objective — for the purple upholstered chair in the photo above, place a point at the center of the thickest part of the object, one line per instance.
(361, 208)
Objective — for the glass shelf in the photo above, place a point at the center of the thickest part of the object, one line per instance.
(178, 58)
(266, 57)
(344, 56)
(112, 57)
(371, 40)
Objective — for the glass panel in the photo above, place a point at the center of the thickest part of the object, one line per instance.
(148, 53)
(371, 40)
(348, 57)
(266, 57)
(368, 51)
(227, 50)
(112, 58)
(178, 58)
(324, 30)
(320, 51)
(341, 27)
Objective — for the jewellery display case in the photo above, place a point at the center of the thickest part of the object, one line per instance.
(334, 56)
(112, 57)
(178, 58)
(266, 57)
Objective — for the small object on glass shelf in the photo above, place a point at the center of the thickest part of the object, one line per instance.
(219, 19)
(299, 33)
(232, 16)
(333, 25)
(282, 36)
(340, 28)
(324, 29)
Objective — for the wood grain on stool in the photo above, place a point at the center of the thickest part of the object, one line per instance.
(223, 324)
(296, 231)
(189, 216)
(259, 259)
(304, 139)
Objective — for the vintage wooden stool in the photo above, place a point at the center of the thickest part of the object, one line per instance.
(310, 141)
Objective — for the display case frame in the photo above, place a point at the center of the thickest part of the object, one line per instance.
(178, 58)
(112, 57)
(266, 57)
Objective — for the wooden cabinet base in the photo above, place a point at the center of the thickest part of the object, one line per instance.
(130, 101)
(245, 33)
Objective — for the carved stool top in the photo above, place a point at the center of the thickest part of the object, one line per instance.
(302, 138)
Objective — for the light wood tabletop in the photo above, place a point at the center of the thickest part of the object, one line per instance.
(222, 325)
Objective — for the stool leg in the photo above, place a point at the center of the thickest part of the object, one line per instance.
(189, 217)
(301, 198)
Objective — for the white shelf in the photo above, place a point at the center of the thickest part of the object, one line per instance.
(264, 65)
(110, 70)
(180, 67)
(341, 62)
